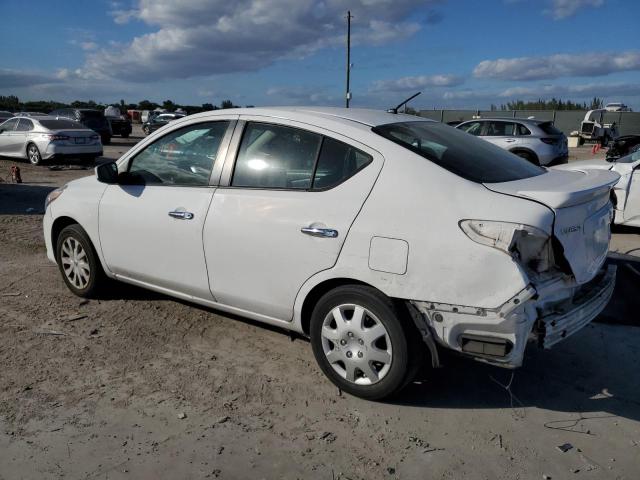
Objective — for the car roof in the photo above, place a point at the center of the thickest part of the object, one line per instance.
(362, 116)
(533, 121)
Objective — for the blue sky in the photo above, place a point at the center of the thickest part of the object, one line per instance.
(459, 53)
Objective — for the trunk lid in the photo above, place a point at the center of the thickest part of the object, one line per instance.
(583, 212)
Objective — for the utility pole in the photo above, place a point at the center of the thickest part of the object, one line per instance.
(348, 93)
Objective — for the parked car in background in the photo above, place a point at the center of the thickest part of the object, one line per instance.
(626, 192)
(46, 138)
(158, 121)
(300, 226)
(31, 114)
(622, 146)
(120, 126)
(4, 115)
(537, 141)
(616, 107)
(90, 118)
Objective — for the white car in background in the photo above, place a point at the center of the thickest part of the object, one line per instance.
(626, 192)
(381, 237)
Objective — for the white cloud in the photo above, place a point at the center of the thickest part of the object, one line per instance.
(573, 91)
(311, 95)
(559, 65)
(416, 83)
(203, 37)
(561, 9)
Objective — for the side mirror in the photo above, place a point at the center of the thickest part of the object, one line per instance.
(107, 173)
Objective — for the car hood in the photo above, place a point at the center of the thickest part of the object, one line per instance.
(583, 212)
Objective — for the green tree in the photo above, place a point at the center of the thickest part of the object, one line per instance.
(169, 105)
(227, 104)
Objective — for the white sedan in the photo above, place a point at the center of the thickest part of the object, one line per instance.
(626, 193)
(384, 238)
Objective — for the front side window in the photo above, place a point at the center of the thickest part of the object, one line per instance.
(474, 128)
(275, 156)
(24, 125)
(461, 154)
(9, 125)
(500, 129)
(182, 157)
(338, 162)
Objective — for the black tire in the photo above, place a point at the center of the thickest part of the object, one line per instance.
(125, 135)
(403, 363)
(146, 130)
(529, 157)
(106, 140)
(96, 278)
(33, 154)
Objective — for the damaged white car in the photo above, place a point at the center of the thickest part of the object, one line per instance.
(382, 237)
(626, 192)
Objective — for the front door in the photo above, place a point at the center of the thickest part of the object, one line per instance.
(283, 214)
(8, 138)
(151, 222)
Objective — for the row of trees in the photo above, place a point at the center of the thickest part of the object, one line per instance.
(553, 104)
(13, 104)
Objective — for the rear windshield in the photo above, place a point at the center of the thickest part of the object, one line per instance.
(549, 128)
(459, 152)
(91, 114)
(60, 124)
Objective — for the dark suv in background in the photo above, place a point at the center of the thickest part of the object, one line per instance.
(93, 119)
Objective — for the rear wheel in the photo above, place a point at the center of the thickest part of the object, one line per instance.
(360, 343)
(146, 130)
(78, 262)
(33, 154)
(125, 135)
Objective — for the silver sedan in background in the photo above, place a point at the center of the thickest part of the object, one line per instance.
(46, 138)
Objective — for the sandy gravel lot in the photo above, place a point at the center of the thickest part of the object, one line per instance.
(142, 386)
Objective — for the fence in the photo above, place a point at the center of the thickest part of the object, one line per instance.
(566, 120)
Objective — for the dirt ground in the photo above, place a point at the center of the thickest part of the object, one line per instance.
(142, 386)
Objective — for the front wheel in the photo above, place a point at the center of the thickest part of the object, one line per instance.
(78, 262)
(33, 154)
(360, 343)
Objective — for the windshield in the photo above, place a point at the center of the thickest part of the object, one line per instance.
(631, 158)
(460, 153)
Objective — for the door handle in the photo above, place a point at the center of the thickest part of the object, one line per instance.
(320, 232)
(510, 140)
(182, 215)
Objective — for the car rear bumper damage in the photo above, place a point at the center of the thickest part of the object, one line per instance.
(546, 313)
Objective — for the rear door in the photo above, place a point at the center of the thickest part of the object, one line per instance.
(283, 211)
(501, 133)
(151, 223)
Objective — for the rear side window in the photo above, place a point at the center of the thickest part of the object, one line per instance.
(549, 128)
(24, 125)
(464, 155)
(337, 162)
(522, 130)
(275, 156)
(500, 129)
